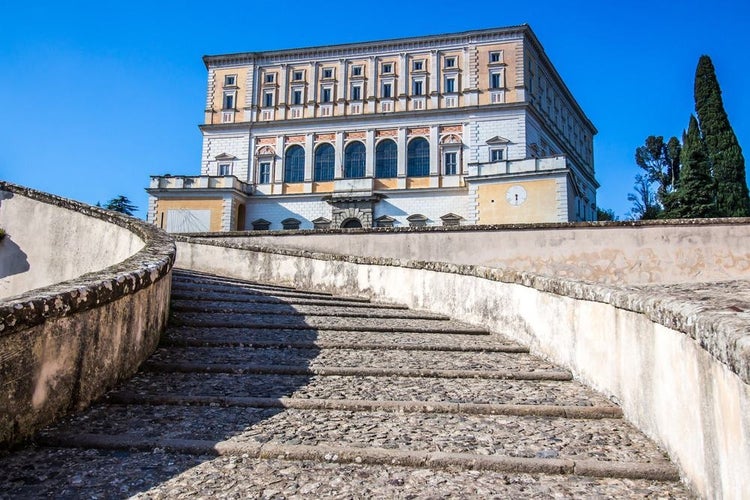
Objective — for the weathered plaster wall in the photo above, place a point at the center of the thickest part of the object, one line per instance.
(677, 363)
(616, 253)
(65, 344)
(46, 245)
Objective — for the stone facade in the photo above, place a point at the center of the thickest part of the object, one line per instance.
(477, 127)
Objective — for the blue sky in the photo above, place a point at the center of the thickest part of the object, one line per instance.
(98, 96)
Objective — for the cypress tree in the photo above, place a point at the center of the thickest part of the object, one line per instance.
(724, 152)
(695, 196)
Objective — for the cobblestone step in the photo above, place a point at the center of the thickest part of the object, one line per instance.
(366, 358)
(366, 324)
(261, 389)
(158, 473)
(506, 436)
(367, 388)
(340, 311)
(249, 337)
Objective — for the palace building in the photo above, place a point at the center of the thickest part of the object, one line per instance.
(464, 128)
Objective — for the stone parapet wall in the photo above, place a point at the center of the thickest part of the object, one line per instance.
(62, 345)
(622, 253)
(676, 361)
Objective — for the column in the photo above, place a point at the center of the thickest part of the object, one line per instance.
(283, 91)
(338, 168)
(434, 151)
(370, 153)
(312, 89)
(372, 85)
(341, 87)
(308, 156)
(434, 78)
(403, 82)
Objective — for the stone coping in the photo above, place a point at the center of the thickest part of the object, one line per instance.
(714, 314)
(482, 228)
(94, 289)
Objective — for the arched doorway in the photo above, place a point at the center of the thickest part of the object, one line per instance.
(351, 223)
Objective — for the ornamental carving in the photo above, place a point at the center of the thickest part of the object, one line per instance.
(325, 137)
(262, 141)
(355, 135)
(451, 128)
(418, 131)
(386, 133)
(295, 139)
(266, 151)
(450, 139)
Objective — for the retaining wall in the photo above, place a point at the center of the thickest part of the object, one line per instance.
(86, 299)
(677, 361)
(634, 252)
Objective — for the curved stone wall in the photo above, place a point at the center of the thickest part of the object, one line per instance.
(642, 252)
(675, 357)
(86, 297)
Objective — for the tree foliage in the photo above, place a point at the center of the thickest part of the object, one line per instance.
(604, 214)
(724, 152)
(121, 204)
(661, 163)
(644, 201)
(696, 195)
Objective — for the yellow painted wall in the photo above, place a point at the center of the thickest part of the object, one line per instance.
(417, 182)
(540, 205)
(216, 206)
(239, 100)
(509, 59)
(294, 188)
(322, 187)
(385, 184)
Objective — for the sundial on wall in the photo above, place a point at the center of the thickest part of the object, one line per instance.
(515, 195)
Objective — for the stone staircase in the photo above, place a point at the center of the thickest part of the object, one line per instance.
(266, 391)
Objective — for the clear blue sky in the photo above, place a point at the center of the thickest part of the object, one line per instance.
(97, 96)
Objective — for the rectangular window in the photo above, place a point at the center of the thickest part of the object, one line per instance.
(417, 87)
(496, 155)
(270, 77)
(356, 70)
(356, 93)
(264, 176)
(496, 81)
(496, 57)
(230, 80)
(387, 89)
(451, 163)
(326, 94)
(327, 72)
(229, 101)
(297, 97)
(268, 99)
(450, 62)
(450, 85)
(387, 68)
(297, 76)
(417, 65)
(225, 169)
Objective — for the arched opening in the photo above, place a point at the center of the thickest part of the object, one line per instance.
(354, 160)
(351, 223)
(386, 159)
(294, 164)
(418, 158)
(325, 159)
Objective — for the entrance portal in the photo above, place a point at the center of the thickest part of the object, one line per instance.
(351, 223)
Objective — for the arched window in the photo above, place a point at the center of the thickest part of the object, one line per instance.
(294, 164)
(354, 160)
(418, 158)
(324, 160)
(386, 159)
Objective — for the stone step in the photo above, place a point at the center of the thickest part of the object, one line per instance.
(579, 412)
(158, 473)
(370, 388)
(301, 310)
(199, 289)
(348, 371)
(366, 324)
(250, 337)
(192, 277)
(223, 298)
(363, 358)
(473, 437)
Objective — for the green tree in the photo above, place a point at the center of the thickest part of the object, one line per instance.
(724, 152)
(696, 195)
(605, 214)
(644, 201)
(121, 204)
(661, 163)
